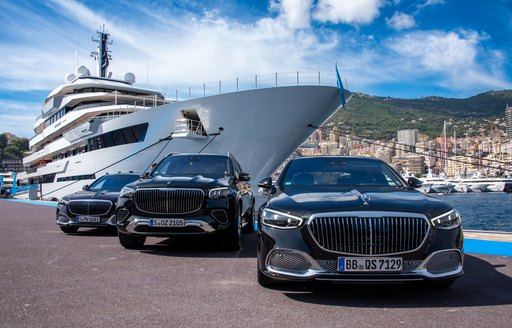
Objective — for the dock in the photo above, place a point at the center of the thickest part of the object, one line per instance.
(87, 279)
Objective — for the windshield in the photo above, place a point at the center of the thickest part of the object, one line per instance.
(113, 183)
(192, 165)
(342, 173)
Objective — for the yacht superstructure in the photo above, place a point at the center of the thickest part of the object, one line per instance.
(93, 125)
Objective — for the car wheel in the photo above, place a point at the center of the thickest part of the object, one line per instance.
(233, 236)
(68, 229)
(249, 226)
(131, 242)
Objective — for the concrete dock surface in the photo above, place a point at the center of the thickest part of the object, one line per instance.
(87, 279)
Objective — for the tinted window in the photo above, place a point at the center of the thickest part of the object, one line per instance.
(112, 182)
(192, 165)
(338, 172)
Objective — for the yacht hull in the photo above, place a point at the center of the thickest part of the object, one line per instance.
(261, 127)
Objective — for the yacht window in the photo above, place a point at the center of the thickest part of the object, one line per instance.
(118, 137)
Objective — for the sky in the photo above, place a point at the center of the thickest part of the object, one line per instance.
(395, 48)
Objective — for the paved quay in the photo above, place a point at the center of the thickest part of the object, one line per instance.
(50, 279)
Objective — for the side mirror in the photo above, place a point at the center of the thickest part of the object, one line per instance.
(266, 183)
(85, 187)
(244, 177)
(144, 175)
(414, 182)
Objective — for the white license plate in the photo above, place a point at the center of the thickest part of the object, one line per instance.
(89, 219)
(370, 264)
(167, 223)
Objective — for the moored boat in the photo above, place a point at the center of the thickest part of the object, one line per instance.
(93, 125)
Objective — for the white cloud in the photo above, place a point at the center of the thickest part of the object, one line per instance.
(347, 11)
(437, 50)
(400, 21)
(431, 3)
(296, 13)
(17, 118)
(448, 59)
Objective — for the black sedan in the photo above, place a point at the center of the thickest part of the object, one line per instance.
(354, 219)
(188, 194)
(95, 205)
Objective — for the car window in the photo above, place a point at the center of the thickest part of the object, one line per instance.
(192, 165)
(342, 172)
(112, 183)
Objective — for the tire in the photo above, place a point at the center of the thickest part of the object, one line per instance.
(249, 226)
(131, 242)
(232, 238)
(68, 229)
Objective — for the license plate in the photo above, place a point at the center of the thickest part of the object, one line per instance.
(167, 223)
(370, 264)
(89, 219)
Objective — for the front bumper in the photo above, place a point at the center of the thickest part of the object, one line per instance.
(138, 225)
(293, 255)
(72, 221)
(293, 265)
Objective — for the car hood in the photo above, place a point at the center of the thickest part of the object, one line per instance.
(197, 181)
(84, 195)
(307, 203)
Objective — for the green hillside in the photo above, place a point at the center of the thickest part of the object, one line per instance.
(381, 117)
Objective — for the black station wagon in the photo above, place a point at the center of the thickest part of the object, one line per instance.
(354, 219)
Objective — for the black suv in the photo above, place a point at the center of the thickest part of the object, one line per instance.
(187, 194)
(95, 205)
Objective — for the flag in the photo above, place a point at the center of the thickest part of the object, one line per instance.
(339, 84)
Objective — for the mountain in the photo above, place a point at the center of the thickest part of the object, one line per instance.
(381, 117)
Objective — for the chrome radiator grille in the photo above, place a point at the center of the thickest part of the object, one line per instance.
(369, 235)
(89, 207)
(169, 200)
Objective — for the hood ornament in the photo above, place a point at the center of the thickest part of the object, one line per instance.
(365, 198)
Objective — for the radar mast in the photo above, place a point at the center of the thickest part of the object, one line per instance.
(102, 54)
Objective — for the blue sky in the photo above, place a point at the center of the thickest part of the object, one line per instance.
(396, 48)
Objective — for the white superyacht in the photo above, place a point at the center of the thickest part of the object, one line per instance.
(93, 125)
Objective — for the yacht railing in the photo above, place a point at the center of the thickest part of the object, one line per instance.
(256, 82)
(214, 88)
(187, 126)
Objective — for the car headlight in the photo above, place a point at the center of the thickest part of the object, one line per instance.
(126, 192)
(219, 192)
(449, 220)
(278, 219)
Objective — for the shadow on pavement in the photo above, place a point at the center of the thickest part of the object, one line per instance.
(94, 232)
(481, 285)
(202, 247)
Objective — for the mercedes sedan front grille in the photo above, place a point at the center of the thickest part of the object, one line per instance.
(368, 234)
(169, 200)
(90, 207)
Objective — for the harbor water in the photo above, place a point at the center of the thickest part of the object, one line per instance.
(482, 210)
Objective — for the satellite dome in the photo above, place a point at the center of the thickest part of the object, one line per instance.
(69, 78)
(129, 77)
(82, 71)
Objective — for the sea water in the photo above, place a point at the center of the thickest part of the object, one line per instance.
(482, 210)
